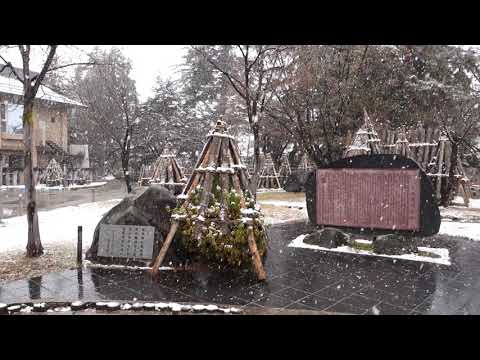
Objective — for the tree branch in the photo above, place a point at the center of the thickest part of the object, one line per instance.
(229, 76)
(46, 65)
(8, 64)
(67, 65)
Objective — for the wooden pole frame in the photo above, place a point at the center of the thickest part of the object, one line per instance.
(220, 157)
(267, 179)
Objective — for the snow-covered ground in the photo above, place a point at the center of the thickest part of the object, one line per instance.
(269, 190)
(86, 186)
(58, 226)
(283, 211)
(290, 204)
(43, 187)
(463, 229)
(443, 253)
(460, 220)
(474, 203)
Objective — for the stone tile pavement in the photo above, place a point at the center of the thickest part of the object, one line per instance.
(299, 279)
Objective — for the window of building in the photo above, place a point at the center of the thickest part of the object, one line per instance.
(3, 161)
(53, 119)
(3, 118)
(14, 122)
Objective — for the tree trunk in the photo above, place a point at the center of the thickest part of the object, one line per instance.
(126, 173)
(256, 156)
(293, 159)
(447, 195)
(102, 157)
(34, 245)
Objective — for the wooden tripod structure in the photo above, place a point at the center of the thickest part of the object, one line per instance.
(269, 176)
(365, 140)
(219, 161)
(439, 168)
(285, 168)
(165, 171)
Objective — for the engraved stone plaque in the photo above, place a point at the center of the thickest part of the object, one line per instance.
(126, 241)
(369, 198)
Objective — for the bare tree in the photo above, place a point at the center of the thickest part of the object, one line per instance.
(30, 89)
(113, 110)
(31, 85)
(315, 98)
(252, 78)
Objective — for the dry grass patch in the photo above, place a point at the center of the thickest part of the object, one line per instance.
(15, 265)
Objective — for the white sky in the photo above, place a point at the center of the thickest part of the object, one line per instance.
(148, 61)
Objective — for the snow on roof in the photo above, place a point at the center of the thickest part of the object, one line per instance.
(13, 86)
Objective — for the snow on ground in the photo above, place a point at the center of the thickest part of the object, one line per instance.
(468, 224)
(270, 190)
(89, 264)
(463, 229)
(474, 203)
(43, 187)
(269, 220)
(58, 226)
(6, 187)
(457, 211)
(86, 186)
(443, 253)
(293, 204)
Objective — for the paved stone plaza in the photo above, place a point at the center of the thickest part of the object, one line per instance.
(300, 279)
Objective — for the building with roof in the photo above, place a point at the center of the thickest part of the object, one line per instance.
(52, 113)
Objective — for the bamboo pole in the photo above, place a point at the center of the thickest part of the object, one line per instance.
(195, 176)
(440, 165)
(244, 178)
(461, 187)
(421, 149)
(391, 141)
(165, 246)
(428, 150)
(256, 260)
(276, 176)
(261, 177)
(236, 185)
(465, 184)
(211, 160)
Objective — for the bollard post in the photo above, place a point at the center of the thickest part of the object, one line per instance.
(93, 195)
(79, 246)
(80, 282)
